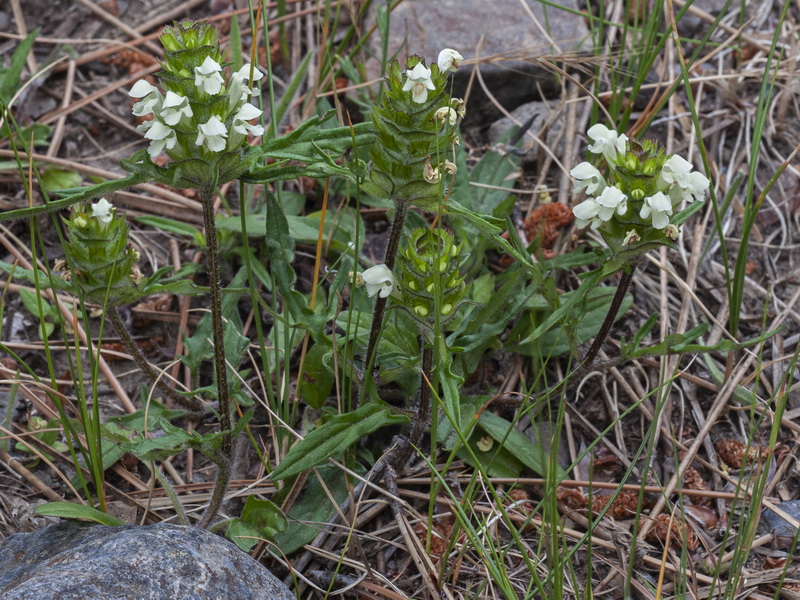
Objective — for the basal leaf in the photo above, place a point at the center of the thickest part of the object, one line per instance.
(334, 436)
(68, 510)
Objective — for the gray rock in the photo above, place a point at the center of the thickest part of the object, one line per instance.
(510, 36)
(76, 561)
(547, 125)
(783, 530)
(693, 26)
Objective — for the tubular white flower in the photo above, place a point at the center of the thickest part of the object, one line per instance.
(163, 138)
(212, 134)
(688, 185)
(675, 168)
(151, 98)
(102, 210)
(659, 208)
(240, 121)
(379, 280)
(696, 186)
(207, 76)
(174, 108)
(418, 82)
(449, 60)
(588, 178)
(596, 211)
(607, 142)
(240, 84)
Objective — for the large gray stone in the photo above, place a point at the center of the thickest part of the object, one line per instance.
(75, 561)
(510, 37)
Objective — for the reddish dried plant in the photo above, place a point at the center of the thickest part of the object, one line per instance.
(693, 480)
(440, 536)
(735, 453)
(680, 532)
(545, 224)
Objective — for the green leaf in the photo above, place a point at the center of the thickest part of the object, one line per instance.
(261, 519)
(174, 226)
(314, 507)
(318, 379)
(582, 324)
(54, 179)
(68, 510)
(335, 436)
(10, 76)
(493, 171)
(532, 456)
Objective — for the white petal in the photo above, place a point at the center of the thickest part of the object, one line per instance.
(158, 131)
(586, 210)
(141, 89)
(248, 112)
(102, 211)
(419, 72)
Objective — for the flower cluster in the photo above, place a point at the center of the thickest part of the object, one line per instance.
(642, 193)
(198, 114)
(102, 264)
(415, 123)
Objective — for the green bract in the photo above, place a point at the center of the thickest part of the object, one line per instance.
(414, 135)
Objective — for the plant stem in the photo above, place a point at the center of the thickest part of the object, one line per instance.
(401, 209)
(622, 289)
(220, 368)
(422, 418)
(192, 404)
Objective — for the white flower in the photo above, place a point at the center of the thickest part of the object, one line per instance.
(379, 280)
(696, 186)
(606, 142)
(419, 82)
(102, 211)
(212, 134)
(207, 76)
(596, 211)
(589, 178)
(659, 208)
(446, 114)
(174, 108)
(162, 138)
(675, 169)
(151, 98)
(448, 60)
(240, 89)
(688, 185)
(240, 121)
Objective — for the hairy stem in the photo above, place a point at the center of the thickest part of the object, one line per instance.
(192, 404)
(401, 208)
(622, 289)
(220, 368)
